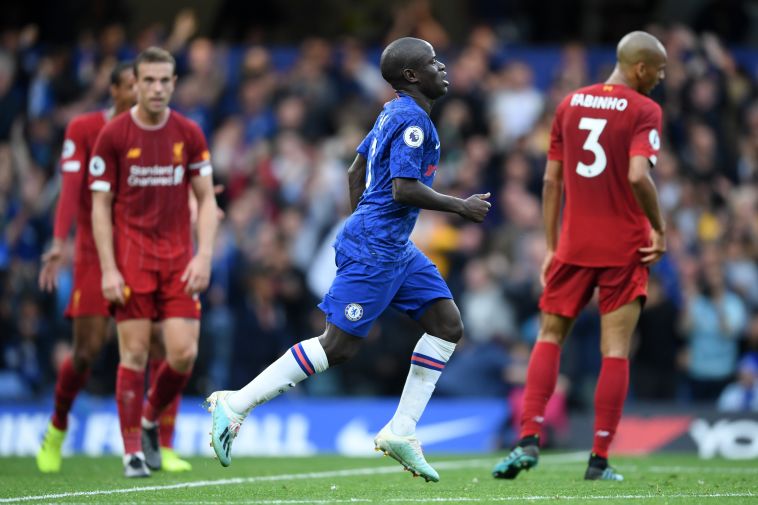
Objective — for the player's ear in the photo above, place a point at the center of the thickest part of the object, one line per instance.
(410, 75)
(639, 70)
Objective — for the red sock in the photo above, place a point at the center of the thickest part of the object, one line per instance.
(167, 418)
(153, 365)
(610, 393)
(68, 385)
(130, 390)
(168, 384)
(167, 422)
(541, 377)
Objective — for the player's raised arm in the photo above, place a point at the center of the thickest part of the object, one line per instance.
(356, 179)
(413, 192)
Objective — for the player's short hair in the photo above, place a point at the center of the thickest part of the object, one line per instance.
(154, 54)
(118, 69)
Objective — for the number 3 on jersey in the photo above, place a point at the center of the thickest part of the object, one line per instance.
(595, 127)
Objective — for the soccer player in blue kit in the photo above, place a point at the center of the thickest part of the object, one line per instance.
(377, 265)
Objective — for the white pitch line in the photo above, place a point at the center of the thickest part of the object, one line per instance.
(488, 499)
(450, 465)
(705, 469)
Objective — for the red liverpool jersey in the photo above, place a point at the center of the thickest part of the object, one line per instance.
(596, 130)
(75, 201)
(148, 169)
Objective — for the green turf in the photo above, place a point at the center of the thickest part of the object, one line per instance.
(661, 479)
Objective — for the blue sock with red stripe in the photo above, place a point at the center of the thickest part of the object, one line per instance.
(427, 362)
(297, 364)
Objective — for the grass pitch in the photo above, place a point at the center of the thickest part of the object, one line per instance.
(659, 479)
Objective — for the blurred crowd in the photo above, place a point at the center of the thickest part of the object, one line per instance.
(283, 125)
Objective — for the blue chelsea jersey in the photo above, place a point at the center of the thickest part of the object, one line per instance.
(402, 143)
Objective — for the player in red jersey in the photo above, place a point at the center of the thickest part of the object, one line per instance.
(604, 141)
(87, 308)
(143, 165)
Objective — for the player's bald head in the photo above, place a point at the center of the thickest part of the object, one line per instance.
(407, 52)
(639, 47)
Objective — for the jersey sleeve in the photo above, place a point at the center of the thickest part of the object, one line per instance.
(364, 146)
(103, 166)
(646, 140)
(73, 172)
(555, 151)
(407, 147)
(198, 155)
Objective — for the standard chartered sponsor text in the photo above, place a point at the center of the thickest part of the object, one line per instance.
(155, 175)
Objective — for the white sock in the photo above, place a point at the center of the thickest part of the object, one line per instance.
(299, 363)
(429, 358)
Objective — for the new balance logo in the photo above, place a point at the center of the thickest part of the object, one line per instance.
(602, 433)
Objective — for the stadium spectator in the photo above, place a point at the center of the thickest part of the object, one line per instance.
(714, 321)
(742, 395)
(654, 374)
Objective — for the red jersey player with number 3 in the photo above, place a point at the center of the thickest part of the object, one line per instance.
(604, 141)
(143, 165)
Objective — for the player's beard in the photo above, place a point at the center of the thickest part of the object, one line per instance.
(156, 107)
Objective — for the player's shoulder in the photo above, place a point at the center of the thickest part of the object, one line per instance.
(119, 122)
(406, 113)
(116, 131)
(87, 121)
(646, 104)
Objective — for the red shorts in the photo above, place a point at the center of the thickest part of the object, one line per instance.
(569, 287)
(156, 295)
(87, 296)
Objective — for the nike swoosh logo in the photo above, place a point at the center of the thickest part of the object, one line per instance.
(437, 146)
(448, 430)
(355, 438)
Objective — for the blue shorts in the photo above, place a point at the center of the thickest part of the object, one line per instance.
(361, 292)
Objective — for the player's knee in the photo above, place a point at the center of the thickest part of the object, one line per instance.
(615, 349)
(339, 355)
(552, 336)
(134, 358)
(82, 359)
(451, 330)
(183, 359)
(339, 349)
